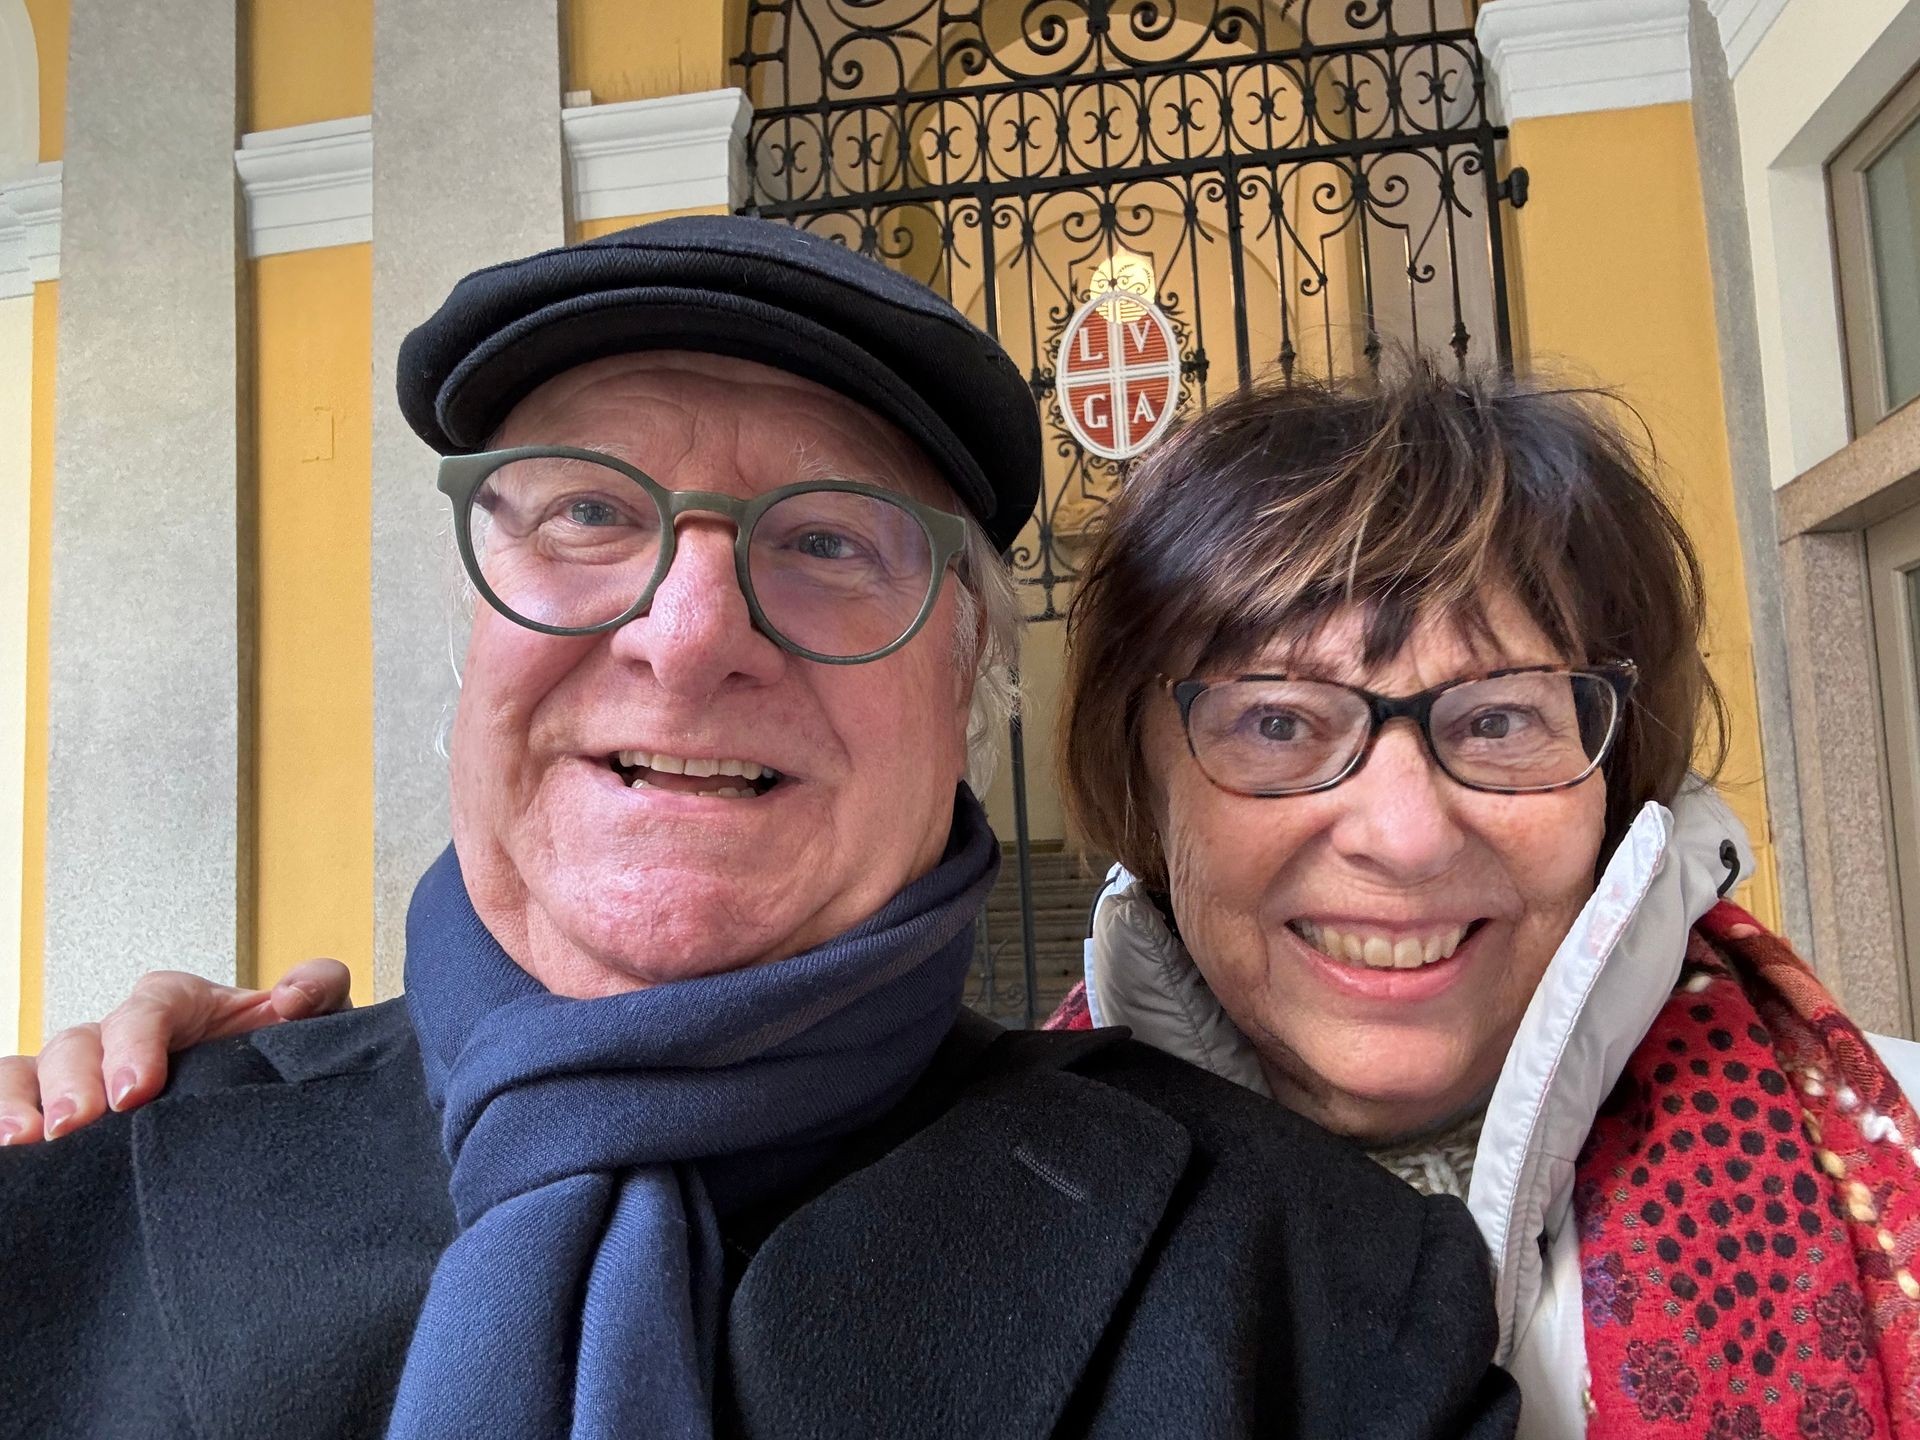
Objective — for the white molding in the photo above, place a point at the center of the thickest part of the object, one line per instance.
(30, 229)
(1743, 25)
(307, 186)
(644, 156)
(1568, 57)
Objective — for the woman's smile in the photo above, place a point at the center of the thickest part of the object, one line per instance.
(1436, 958)
(1380, 946)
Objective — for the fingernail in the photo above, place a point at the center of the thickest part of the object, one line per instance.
(58, 1114)
(124, 1080)
(10, 1131)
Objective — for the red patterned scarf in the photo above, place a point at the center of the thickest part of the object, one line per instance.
(1748, 1206)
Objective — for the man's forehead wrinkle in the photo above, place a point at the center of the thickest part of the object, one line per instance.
(665, 413)
(809, 464)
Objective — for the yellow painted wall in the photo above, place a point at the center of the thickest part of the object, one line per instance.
(639, 49)
(313, 741)
(50, 24)
(592, 229)
(49, 20)
(33, 848)
(312, 434)
(1614, 284)
(307, 61)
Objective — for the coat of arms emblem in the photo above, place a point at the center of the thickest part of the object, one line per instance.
(1118, 373)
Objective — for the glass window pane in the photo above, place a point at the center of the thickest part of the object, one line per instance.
(1893, 206)
(1911, 585)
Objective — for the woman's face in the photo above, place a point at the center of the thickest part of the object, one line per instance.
(1397, 851)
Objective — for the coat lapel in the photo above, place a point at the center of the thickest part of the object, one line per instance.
(291, 1230)
(960, 1284)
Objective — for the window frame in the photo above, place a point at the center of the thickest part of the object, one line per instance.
(1854, 276)
(1893, 567)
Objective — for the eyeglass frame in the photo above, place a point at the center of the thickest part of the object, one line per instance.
(1621, 675)
(461, 476)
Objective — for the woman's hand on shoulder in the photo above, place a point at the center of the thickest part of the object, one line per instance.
(121, 1062)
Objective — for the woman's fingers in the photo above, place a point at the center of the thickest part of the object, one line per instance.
(121, 1063)
(71, 1092)
(19, 1100)
(318, 987)
(169, 1010)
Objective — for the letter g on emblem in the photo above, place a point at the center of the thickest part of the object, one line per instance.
(1119, 374)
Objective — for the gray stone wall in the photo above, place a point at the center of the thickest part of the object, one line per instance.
(146, 862)
(1717, 135)
(466, 171)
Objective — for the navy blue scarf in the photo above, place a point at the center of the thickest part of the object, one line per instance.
(590, 1139)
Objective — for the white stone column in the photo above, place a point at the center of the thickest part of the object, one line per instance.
(467, 170)
(148, 666)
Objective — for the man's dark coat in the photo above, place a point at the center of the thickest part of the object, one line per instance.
(1054, 1235)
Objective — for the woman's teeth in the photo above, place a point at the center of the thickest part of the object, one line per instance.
(1381, 952)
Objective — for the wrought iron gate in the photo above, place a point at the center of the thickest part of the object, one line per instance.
(1299, 184)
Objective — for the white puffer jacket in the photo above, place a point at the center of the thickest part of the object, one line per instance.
(1597, 1000)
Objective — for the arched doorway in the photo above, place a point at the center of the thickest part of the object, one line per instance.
(1301, 184)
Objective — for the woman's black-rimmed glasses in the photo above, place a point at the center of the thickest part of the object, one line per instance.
(1511, 732)
(569, 541)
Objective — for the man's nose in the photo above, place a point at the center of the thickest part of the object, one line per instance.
(698, 633)
(1399, 818)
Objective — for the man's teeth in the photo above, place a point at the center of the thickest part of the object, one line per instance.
(1381, 952)
(698, 768)
(682, 765)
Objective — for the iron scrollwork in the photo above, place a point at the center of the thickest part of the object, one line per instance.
(1307, 184)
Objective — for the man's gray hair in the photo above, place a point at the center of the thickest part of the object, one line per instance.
(987, 616)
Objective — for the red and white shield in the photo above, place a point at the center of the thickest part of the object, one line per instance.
(1119, 374)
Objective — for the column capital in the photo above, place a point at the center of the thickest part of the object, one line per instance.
(1569, 57)
(307, 186)
(640, 157)
(29, 229)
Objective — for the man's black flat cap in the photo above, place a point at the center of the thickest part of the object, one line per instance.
(754, 289)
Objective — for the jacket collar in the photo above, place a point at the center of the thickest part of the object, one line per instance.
(1593, 1006)
(1596, 1000)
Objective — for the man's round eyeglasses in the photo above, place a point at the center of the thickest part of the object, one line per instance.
(1511, 732)
(569, 541)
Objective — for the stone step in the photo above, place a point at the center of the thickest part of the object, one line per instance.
(1065, 928)
(1053, 957)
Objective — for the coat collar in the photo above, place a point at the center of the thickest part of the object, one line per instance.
(1595, 1003)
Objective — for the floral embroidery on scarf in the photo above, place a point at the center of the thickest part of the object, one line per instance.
(1834, 1413)
(1654, 1375)
(1608, 1290)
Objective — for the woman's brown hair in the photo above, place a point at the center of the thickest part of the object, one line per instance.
(1415, 495)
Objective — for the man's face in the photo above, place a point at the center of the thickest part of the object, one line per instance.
(595, 886)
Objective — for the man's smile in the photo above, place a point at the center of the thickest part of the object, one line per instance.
(694, 774)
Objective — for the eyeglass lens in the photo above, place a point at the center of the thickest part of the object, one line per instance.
(571, 543)
(1528, 731)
